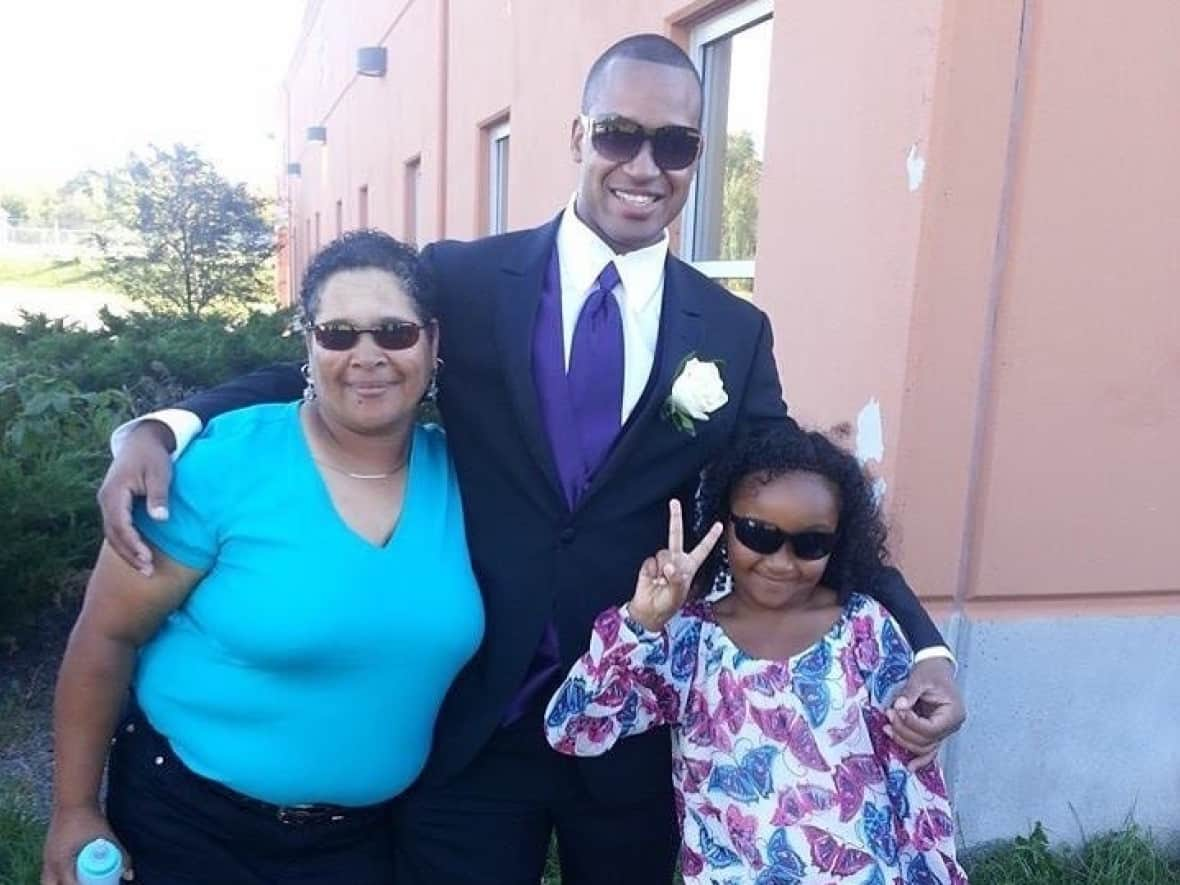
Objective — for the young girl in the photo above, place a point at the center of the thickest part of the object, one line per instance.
(775, 679)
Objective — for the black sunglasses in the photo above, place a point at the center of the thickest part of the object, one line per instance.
(394, 335)
(620, 140)
(767, 539)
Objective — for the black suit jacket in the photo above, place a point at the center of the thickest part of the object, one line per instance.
(536, 560)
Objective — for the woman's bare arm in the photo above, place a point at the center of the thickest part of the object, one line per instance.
(123, 609)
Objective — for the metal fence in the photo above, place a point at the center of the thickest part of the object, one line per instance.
(49, 242)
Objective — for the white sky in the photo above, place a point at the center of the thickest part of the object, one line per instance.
(83, 82)
(750, 82)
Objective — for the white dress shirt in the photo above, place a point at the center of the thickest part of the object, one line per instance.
(640, 295)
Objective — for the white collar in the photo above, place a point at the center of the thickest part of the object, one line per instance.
(583, 255)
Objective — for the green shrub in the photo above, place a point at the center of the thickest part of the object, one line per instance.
(156, 359)
(62, 390)
(52, 448)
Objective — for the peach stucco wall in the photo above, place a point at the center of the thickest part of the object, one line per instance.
(1079, 473)
(1012, 310)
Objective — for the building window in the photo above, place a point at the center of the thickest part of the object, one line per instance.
(308, 243)
(721, 224)
(412, 217)
(339, 218)
(497, 178)
(317, 232)
(362, 207)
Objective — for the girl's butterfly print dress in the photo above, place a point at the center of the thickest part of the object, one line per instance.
(783, 771)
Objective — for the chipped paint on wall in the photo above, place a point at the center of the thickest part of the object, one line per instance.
(915, 168)
(870, 433)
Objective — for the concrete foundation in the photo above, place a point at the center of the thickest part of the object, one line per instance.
(1074, 722)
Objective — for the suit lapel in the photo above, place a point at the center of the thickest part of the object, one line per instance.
(518, 295)
(679, 335)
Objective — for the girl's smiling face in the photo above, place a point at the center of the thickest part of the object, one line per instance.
(795, 502)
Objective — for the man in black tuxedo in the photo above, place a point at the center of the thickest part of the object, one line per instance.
(561, 345)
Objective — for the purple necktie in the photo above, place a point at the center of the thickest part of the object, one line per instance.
(595, 374)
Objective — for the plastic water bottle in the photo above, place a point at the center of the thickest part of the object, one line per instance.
(100, 862)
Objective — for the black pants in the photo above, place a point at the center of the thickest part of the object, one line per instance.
(492, 825)
(182, 829)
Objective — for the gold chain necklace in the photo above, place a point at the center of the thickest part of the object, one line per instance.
(349, 473)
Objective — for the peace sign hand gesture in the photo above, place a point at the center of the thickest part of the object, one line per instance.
(664, 579)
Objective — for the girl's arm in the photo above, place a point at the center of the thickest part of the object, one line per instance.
(642, 657)
(123, 609)
(632, 679)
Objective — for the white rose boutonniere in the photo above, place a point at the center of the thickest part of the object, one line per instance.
(697, 392)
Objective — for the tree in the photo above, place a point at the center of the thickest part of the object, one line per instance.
(182, 239)
(739, 227)
(74, 206)
(15, 208)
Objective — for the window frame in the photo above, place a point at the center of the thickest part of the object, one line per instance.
(731, 21)
(362, 206)
(411, 199)
(496, 221)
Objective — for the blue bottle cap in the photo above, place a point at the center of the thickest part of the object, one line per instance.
(99, 859)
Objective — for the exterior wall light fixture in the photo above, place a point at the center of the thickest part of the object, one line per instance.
(372, 61)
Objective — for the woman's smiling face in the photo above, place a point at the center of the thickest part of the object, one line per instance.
(366, 388)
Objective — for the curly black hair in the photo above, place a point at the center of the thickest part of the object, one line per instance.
(770, 452)
(363, 249)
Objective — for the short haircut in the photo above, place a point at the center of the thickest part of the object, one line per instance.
(651, 48)
(362, 250)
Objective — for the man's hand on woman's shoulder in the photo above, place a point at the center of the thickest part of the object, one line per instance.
(142, 468)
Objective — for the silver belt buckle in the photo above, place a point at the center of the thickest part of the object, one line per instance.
(294, 815)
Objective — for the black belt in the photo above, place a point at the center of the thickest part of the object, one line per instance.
(292, 815)
(299, 815)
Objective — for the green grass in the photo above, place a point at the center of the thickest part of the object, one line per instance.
(50, 274)
(20, 837)
(1128, 856)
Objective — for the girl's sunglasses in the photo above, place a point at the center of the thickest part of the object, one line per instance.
(394, 335)
(620, 140)
(767, 539)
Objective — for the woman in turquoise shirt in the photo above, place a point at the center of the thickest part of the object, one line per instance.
(311, 602)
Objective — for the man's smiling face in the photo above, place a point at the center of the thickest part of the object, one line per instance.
(630, 204)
